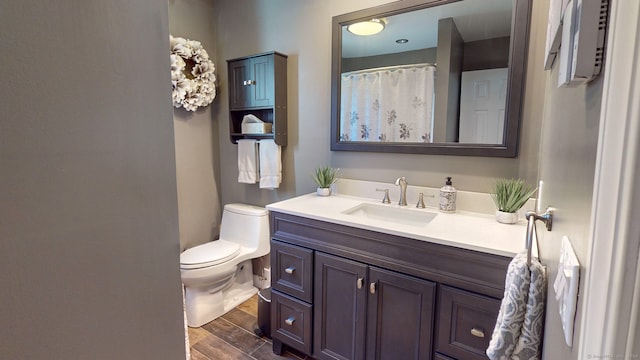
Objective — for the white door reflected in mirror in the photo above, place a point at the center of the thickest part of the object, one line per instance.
(482, 106)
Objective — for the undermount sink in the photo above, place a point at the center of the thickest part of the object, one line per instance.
(391, 214)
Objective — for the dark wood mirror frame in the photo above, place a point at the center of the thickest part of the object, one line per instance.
(516, 79)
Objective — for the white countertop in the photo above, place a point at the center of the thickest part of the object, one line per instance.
(467, 230)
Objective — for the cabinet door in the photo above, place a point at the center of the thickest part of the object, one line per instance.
(251, 83)
(262, 81)
(240, 72)
(339, 308)
(400, 316)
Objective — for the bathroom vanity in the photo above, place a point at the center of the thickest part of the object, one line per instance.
(356, 279)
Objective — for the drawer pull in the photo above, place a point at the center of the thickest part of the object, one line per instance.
(290, 321)
(372, 288)
(360, 283)
(290, 270)
(477, 332)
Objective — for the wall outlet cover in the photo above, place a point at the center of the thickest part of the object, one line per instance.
(566, 288)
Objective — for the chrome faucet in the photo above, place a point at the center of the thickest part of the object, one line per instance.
(402, 182)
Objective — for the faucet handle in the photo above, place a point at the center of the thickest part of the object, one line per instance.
(386, 199)
(401, 181)
(421, 197)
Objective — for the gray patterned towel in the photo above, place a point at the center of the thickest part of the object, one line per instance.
(518, 331)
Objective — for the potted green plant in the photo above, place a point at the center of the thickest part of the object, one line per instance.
(324, 177)
(510, 195)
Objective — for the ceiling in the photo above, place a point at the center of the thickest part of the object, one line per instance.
(475, 20)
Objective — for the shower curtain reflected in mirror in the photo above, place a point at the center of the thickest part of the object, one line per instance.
(391, 104)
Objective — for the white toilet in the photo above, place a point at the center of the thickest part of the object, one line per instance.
(218, 275)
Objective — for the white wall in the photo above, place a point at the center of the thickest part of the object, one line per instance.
(88, 211)
(196, 134)
(302, 29)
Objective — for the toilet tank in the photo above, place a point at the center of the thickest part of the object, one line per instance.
(246, 225)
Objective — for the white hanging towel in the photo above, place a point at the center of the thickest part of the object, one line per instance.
(270, 164)
(518, 330)
(247, 161)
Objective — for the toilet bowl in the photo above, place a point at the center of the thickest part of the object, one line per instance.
(218, 275)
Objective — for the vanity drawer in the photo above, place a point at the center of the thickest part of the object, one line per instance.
(291, 321)
(292, 270)
(465, 323)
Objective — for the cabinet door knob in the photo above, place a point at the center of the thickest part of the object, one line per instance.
(289, 321)
(290, 270)
(372, 288)
(360, 283)
(477, 332)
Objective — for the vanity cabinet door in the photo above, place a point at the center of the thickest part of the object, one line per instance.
(400, 316)
(339, 308)
(363, 312)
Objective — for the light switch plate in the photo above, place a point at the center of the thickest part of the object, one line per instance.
(566, 288)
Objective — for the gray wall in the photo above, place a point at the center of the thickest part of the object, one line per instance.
(196, 134)
(401, 58)
(88, 212)
(486, 54)
(448, 82)
(567, 166)
(302, 29)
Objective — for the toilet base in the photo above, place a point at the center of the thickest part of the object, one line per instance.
(203, 307)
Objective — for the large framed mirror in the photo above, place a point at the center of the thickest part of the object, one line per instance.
(442, 77)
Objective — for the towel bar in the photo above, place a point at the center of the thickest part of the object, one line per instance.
(532, 216)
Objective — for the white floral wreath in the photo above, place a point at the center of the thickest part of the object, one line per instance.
(193, 76)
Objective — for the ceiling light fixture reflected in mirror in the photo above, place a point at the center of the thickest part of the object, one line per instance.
(365, 28)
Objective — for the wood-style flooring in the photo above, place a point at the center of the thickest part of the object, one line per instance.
(232, 337)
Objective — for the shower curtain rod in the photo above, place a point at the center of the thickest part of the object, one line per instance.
(394, 67)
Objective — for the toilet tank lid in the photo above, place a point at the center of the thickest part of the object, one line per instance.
(245, 209)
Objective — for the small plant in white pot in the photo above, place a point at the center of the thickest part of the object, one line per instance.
(325, 177)
(510, 195)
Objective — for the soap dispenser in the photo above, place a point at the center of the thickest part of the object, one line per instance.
(448, 197)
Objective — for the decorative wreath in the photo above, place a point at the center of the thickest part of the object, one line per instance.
(192, 74)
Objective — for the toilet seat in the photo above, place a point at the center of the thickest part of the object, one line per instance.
(209, 254)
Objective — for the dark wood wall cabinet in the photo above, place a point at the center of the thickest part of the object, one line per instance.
(258, 86)
(345, 293)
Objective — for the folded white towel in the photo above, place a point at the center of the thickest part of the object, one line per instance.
(247, 161)
(270, 165)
